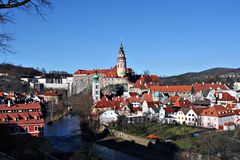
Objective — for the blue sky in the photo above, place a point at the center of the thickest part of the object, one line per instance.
(166, 37)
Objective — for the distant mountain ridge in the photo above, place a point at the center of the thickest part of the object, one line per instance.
(223, 75)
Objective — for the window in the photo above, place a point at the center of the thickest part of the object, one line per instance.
(96, 86)
(35, 128)
(96, 92)
(16, 129)
(26, 129)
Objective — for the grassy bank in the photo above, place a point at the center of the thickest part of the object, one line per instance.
(179, 134)
(224, 144)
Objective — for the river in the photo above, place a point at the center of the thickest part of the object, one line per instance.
(65, 136)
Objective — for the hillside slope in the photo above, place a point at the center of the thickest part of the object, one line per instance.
(224, 75)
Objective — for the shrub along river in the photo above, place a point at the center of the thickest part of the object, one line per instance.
(65, 136)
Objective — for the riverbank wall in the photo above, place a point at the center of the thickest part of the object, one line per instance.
(131, 138)
(57, 116)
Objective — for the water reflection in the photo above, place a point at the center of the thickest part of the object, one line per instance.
(65, 135)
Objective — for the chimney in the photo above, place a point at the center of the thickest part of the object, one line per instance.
(9, 103)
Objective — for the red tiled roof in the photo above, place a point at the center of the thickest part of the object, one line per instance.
(10, 96)
(133, 94)
(147, 98)
(204, 87)
(237, 111)
(107, 104)
(109, 73)
(152, 136)
(225, 97)
(147, 79)
(136, 108)
(183, 103)
(230, 106)
(229, 124)
(165, 89)
(134, 99)
(174, 98)
(168, 110)
(1, 94)
(51, 93)
(35, 105)
(198, 111)
(217, 111)
(21, 115)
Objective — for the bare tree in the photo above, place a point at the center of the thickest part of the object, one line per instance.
(6, 9)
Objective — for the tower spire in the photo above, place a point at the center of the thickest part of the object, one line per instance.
(121, 62)
(121, 46)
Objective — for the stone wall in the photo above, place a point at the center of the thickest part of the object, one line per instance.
(128, 137)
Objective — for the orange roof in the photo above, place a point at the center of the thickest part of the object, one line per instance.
(1, 94)
(174, 98)
(168, 110)
(107, 104)
(217, 111)
(231, 106)
(171, 88)
(229, 124)
(225, 97)
(133, 94)
(237, 111)
(183, 103)
(51, 93)
(152, 136)
(198, 111)
(147, 97)
(134, 99)
(35, 105)
(204, 87)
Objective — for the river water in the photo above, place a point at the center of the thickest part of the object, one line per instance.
(65, 136)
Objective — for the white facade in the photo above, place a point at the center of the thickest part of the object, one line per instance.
(192, 118)
(215, 122)
(108, 117)
(180, 117)
(211, 97)
(96, 91)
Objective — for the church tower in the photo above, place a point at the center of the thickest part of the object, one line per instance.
(121, 63)
(96, 88)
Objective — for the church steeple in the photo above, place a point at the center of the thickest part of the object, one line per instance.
(121, 62)
(121, 47)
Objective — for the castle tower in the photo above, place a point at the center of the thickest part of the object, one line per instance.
(121, 63)
(96, 88)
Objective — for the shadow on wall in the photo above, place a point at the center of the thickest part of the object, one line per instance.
(157, 151)
(17, 143)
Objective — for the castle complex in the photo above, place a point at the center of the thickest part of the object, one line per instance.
(119, 74)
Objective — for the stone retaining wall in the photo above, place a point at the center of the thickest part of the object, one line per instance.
(128, 137)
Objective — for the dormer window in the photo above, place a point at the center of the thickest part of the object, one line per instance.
(27, 118)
